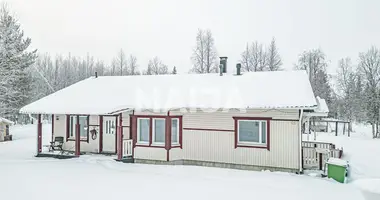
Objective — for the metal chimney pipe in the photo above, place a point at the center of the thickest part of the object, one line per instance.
(223, 61)
(238, 68)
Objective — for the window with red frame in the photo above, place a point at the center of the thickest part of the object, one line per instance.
(252, 132)
(151, 130)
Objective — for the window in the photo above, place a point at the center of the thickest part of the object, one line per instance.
(159, 131)
(175, 131)
(83, 126)
(143, 127)
(152, 131)
(252, 132)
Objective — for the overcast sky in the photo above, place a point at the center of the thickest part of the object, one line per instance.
(167, 28)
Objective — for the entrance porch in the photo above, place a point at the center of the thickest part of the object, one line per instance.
(75, 135)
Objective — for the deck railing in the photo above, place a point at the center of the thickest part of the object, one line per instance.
(315, 154)
(127, 147)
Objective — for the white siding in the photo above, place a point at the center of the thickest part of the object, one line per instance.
(60, 130)
(94, 120)
(214, 146)
(224, 120)
(126, 125)
(2, 131)
(175, 154)
(219, 146)
(150, 153)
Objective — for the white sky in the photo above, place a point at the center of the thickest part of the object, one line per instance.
(167, 28)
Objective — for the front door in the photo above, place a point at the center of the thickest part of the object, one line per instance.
(109, 134)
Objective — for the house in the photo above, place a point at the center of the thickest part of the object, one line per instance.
(245, 121)
(4, 129)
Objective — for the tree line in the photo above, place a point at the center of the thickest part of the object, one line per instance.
(25, 75)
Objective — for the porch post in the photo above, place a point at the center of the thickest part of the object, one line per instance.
(100, 134)
(52, 127)
(348, 133)
(39, 134)
(120, 138)
(168, 136)
(77, 137)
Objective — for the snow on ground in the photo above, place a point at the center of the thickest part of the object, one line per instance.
(99, 177)
(360, 150)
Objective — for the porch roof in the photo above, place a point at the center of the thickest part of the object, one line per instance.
(322, 110)
(109, 94)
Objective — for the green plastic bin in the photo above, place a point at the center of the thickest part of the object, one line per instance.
(337, 169)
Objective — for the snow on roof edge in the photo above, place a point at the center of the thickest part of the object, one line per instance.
(276, 96)
(6, 120)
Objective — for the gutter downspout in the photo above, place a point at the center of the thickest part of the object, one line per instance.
(300, 142)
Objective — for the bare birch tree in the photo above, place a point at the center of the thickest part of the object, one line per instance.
(156, 67)
(204, 56)
(346, 81)
(132, 65)
(315, 63)
(369, 65)
(255, 57)
(121, 63)
(246, 59)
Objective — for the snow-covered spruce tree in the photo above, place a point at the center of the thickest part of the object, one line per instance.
(174, 71)
(15, 85)
(273, 56)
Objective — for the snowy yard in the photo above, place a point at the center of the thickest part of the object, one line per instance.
(24, 177)
(360, 150)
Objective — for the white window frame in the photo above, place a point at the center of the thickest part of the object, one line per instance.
(154, 131)
(260, 134)
(74, 128)
(138, 131)
(171, 126)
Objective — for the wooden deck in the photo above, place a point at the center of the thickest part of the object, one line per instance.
(315, 154)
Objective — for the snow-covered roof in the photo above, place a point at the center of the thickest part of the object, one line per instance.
(108, 94)
(322, 106)
(6, 121)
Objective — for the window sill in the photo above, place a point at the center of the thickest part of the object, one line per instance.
(258, 146)
(147, 146)
(82, 139)
(176, 146)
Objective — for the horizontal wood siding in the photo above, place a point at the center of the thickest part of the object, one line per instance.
(149, 153)
(214, 146)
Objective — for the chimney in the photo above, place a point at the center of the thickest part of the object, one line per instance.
(223, 61)
(238, 67)
(96, 74)
(221, 70)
